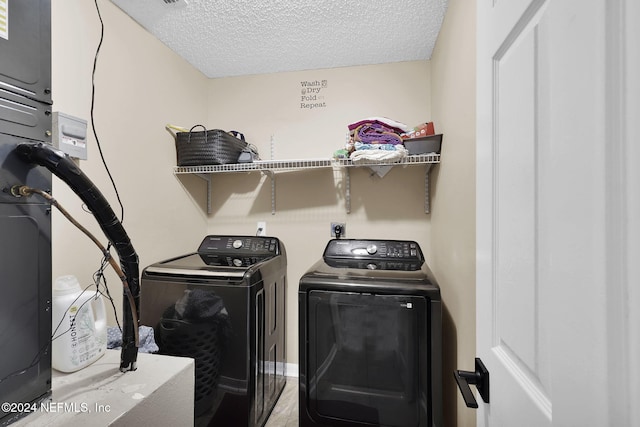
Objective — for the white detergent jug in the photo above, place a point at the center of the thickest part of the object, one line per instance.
(81, 337)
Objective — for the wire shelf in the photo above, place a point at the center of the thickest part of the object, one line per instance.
(269, 167)
(409, 160)
(284, 165)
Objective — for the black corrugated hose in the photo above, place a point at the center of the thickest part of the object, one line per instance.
(61, 166)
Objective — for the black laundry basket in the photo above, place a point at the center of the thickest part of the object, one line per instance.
(202, 342)
(208, 147)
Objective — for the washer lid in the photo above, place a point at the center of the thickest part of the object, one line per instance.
(195, 265)
(219, 256)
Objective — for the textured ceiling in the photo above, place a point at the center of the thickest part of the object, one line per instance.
(241, 37)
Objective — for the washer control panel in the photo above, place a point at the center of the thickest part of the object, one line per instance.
(404, 250)
(238, 251)
(254, 245)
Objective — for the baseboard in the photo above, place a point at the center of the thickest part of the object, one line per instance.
(291, 370)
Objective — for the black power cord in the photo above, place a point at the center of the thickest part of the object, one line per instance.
(93, 125)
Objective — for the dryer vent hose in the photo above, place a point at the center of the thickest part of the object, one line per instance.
(61, 166)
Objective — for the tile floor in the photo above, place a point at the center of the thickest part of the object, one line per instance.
(285, 413)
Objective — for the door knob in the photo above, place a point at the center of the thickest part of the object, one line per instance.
(479, 378)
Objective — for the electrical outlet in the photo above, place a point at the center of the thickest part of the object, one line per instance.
(341, 226)
(262, 228)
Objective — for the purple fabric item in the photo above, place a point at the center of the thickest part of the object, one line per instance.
(356, 125)
(376, 133)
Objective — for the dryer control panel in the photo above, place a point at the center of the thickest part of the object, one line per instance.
(404, 250)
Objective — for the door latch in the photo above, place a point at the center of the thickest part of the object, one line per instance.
(479, 378)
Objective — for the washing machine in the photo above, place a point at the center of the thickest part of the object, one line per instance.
(224, 306)
(370, 333)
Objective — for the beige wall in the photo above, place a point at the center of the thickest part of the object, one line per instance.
(453, 217)
(268, 106)
(140, 86)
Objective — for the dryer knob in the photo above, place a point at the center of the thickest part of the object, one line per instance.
(237, 244)
(237, 262)
(372, 249)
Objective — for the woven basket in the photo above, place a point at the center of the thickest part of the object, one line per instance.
(208, 147)
(201, 342)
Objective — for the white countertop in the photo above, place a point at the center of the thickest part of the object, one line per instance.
(158, 393)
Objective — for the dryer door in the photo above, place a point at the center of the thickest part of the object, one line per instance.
(368, 359)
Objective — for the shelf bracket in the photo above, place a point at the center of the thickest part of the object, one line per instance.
(347, 190)
(207, 178)
(427, 196)
(272, 176)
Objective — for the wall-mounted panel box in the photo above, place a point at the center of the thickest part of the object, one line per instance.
(70, 135)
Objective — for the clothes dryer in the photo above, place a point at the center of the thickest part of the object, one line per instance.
(370, 333)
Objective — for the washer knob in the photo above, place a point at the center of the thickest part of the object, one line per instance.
(237, 244)
(372, 249)
(237, 262)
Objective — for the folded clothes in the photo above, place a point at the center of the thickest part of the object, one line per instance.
(364, 156)
(363, 146)
(376, 133)
(394, 125)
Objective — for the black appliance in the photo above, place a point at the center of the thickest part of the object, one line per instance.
(25, 223)
(224, 306)
(370, 333)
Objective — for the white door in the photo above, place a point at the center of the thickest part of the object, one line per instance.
(556, 199)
